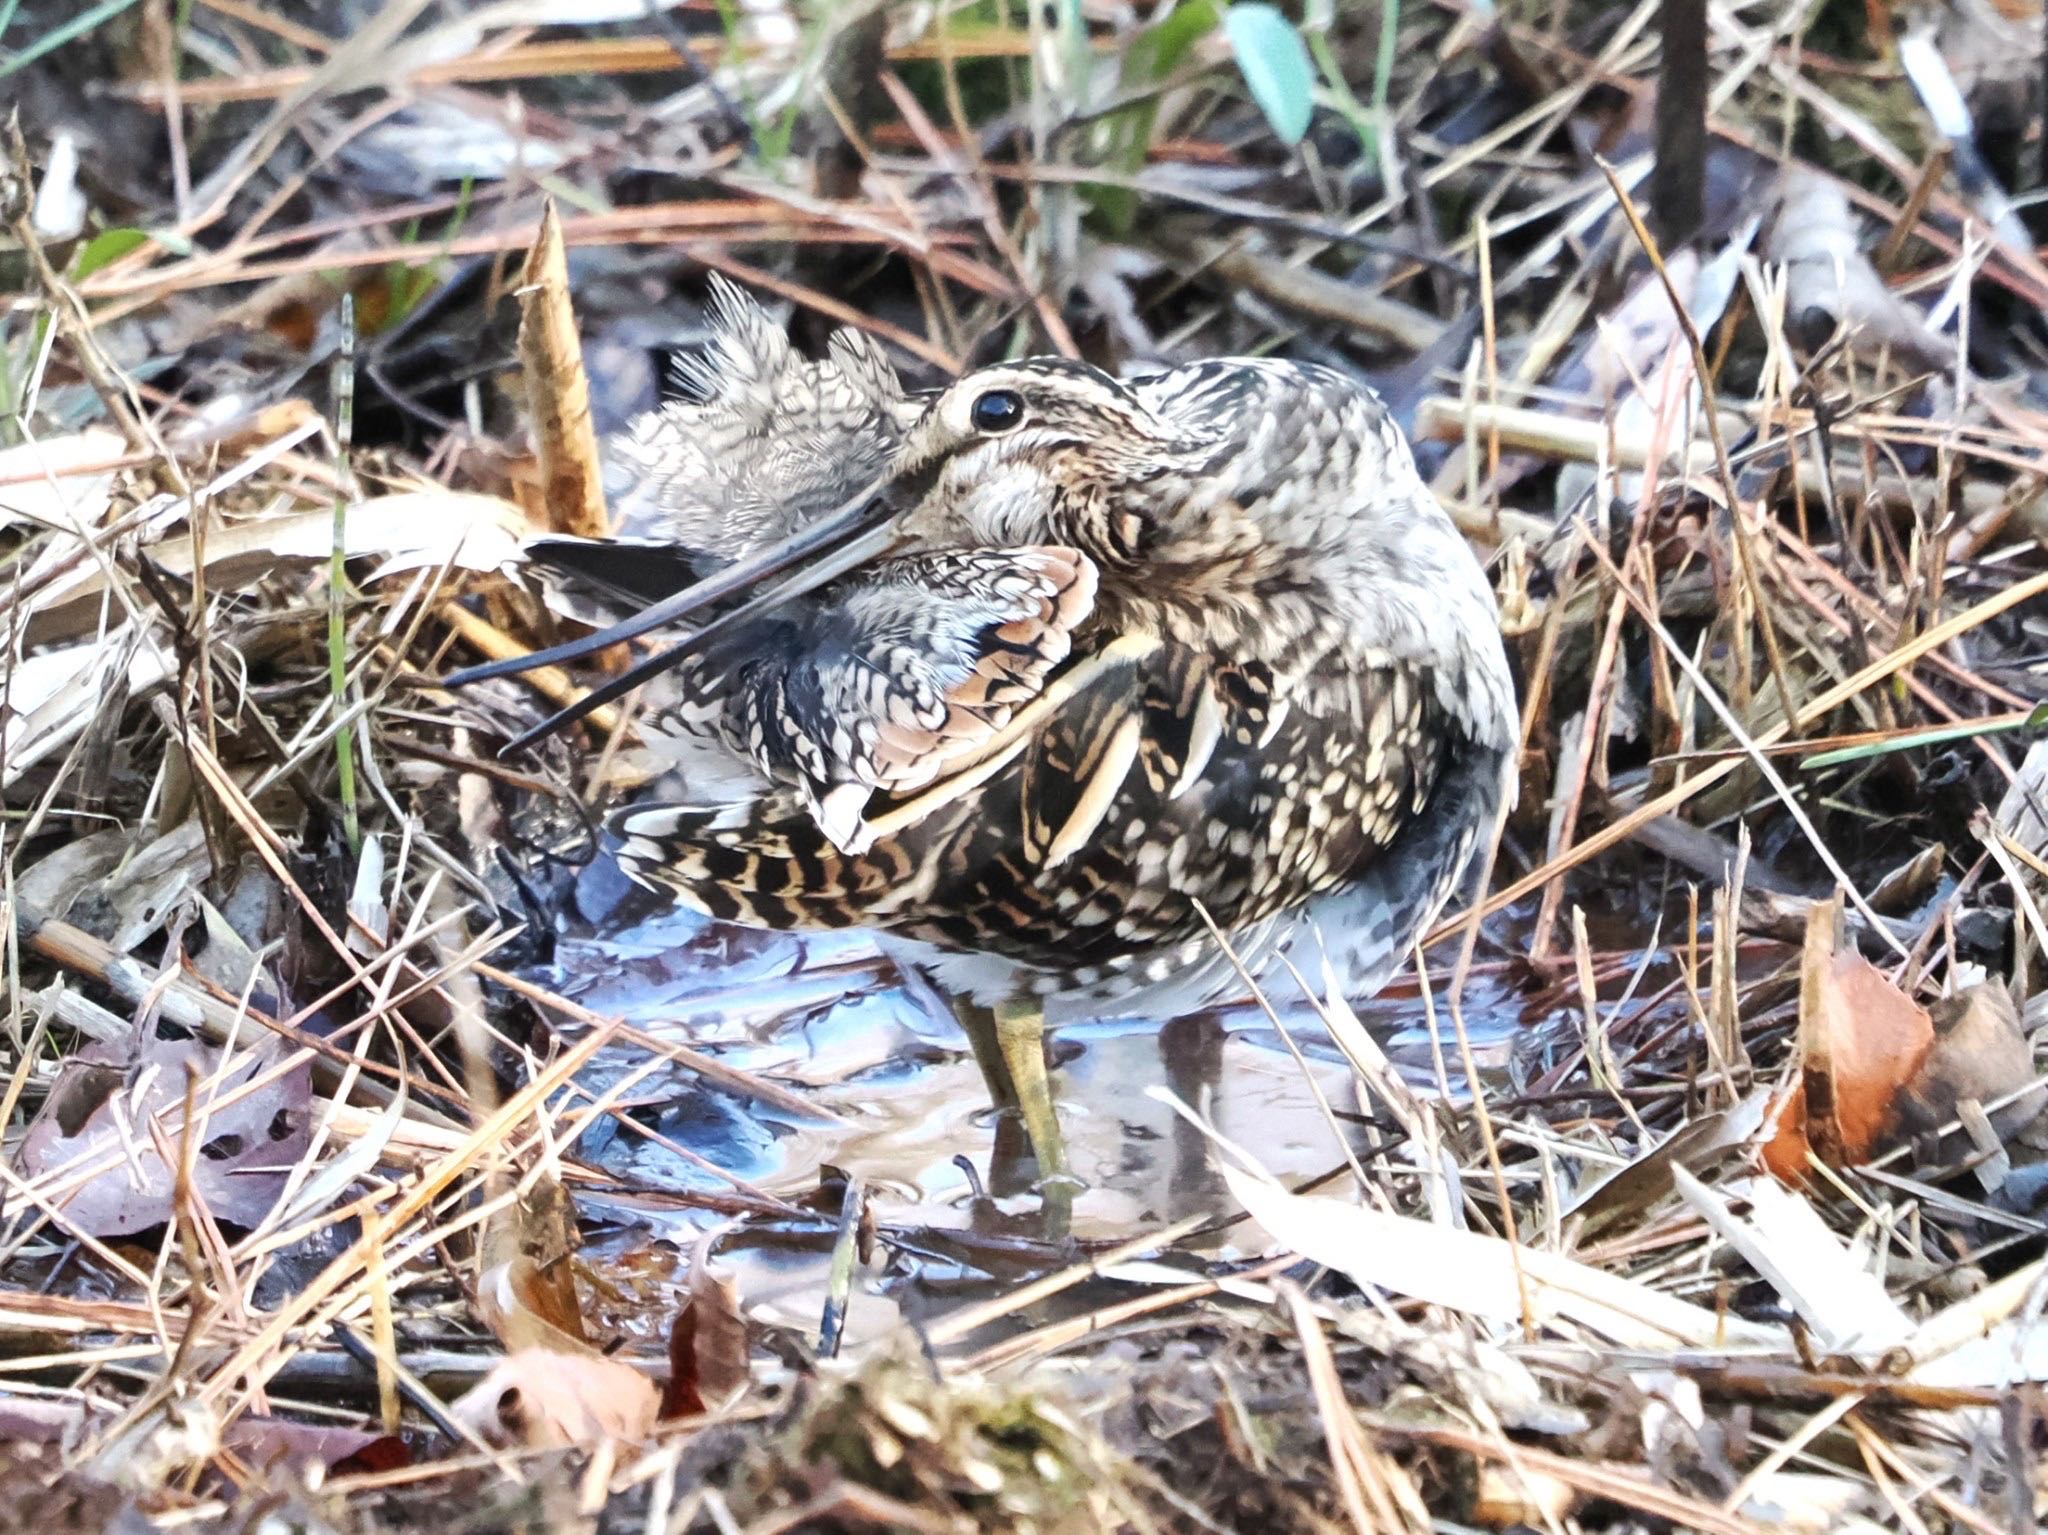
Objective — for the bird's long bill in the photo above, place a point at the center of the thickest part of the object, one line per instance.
(855, 533)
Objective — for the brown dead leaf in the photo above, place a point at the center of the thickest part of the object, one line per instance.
(1980, 1053)
(707, 1348)
(528, 1291)
(91, 1151)
(544, 1400)
(1877, 1068)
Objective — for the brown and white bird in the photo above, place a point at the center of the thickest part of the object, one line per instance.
(1063, 669)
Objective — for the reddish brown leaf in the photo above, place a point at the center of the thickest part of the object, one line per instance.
(1862, 1043)
(707, 1348)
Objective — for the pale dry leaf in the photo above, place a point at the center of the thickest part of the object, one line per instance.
(1376, 1079)
(146, 1452)
(369, 918)
(1810, 1503)
(544, 1400)
(227, 960)
(105, 882)
(1469, 1271)
(1927, 68)
(150, 886)
(1639, 366)
(361, 1151)
(1991, 1339)
(61, 207)
(54, 695)
(1817, 238)
(1472, 1272)
(2023, 810)
(2012, 1352)
(402, 531)
(467, 137)
(1993, 54)
(58, 880)
(1453, 1364)
(59, 482)
(1629, 1192)
(91, 1152)
(409, 529)
(1791, 1247)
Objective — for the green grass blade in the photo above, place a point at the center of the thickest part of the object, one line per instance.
(51, 41)
(1940, 736)
(337, 576)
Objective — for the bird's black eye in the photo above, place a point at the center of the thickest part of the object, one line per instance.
(998, 410)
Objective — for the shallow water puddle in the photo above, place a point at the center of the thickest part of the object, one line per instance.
(832, 1019)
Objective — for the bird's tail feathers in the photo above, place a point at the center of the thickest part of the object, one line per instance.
(730, 862)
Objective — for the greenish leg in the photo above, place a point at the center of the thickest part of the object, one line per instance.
(1009, 1047)
(1020, 1034)
(979, 1024)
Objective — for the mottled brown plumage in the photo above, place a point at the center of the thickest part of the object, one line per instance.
(1195, 642)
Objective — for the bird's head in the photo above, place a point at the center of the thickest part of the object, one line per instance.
(1271, 509)
(1218, 483)
(1039, 452)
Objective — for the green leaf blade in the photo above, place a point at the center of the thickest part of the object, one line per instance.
(104, 248)
(1275, 64)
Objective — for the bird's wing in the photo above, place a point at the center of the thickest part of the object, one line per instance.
(1146, 784)
(889, 683)
(768, 440)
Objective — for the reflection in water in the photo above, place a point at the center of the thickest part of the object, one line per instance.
(829, 1016)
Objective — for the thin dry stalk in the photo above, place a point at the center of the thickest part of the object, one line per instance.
(572, 483)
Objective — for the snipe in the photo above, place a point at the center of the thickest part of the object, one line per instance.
(1059, 669)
